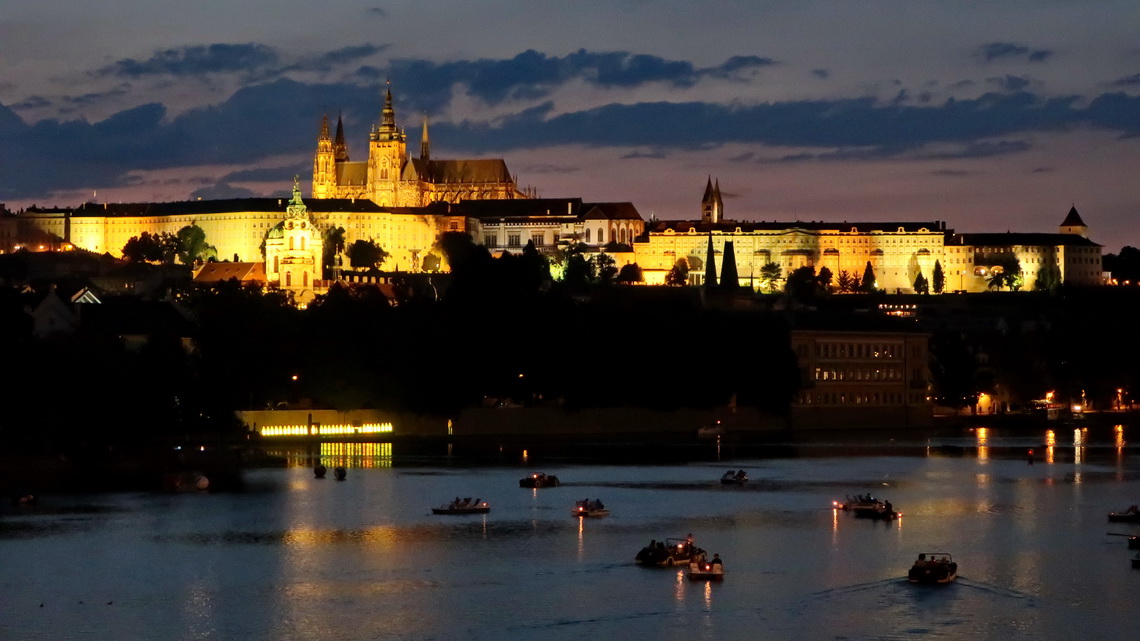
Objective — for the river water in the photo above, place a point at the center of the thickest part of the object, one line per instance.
(294, 557)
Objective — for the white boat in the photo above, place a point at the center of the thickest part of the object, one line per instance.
(703, 570)
(589, 508)
(466, 506)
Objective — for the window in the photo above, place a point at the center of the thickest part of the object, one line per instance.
(512, 240)
(538, 239)
(587, 234)
(490, 240)
(601, 235)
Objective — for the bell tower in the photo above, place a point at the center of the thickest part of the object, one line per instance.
(387, 154)
(324, 164)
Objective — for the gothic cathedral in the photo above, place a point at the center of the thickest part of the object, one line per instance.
(390, 178)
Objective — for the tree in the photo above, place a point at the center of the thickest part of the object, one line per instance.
(630, 273)
(606, 268)
(801, 284)
(579, 270)
(868, 282)
(824, 278)
(847, 281)
(1006, 272)
(1048, 278)
(192, 245)
(921, 286)
(938, 281)
(147, 248)
(366, 254)
(1125, 266)
(678, 276)
(769, 277)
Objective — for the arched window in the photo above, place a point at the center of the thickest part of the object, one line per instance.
(288, 279)
(623, 234)
(276, 264)
(290, 243)
(302, 243)
(587, 234)
(601, 235)
(305, 279)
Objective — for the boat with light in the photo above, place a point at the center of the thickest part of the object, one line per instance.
(465, 506)
(538, 479)
(588, 508)
(933, 568)
(670, 552)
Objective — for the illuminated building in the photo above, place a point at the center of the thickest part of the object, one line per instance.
(897, 251)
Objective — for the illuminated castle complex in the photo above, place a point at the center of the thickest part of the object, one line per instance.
(390, 178)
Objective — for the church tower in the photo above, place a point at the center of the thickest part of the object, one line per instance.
(387, 154)
(712, 207)
(1074, 225)
(324, 163)
(293, 255)
(425, 144)
(340, 148)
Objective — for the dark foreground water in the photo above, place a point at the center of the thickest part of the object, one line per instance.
(294, 557)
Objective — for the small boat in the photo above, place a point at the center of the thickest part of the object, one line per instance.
(868, 507)
(538, 479)
(185, 482)
(933, 568)
(669, 553)
(465, 506)
(589, 508)
(739, 477)
(859, 501)
(706, 570)
(1133, 541)
(1131, 515)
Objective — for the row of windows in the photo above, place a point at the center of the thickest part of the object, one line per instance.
(858, 350)
(857, 374)
(873, 398)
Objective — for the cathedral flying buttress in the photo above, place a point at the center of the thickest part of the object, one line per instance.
(391, 178)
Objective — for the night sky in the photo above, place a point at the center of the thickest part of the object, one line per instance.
(992, 116)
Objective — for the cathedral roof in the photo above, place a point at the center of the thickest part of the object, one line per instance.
(613, 211)
(353, 172)
(220, 272)
(489, 170)
(223, 206)
(1073, 219)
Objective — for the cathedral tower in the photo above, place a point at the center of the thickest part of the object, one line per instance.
(712, 207)
(387, 154)
(324, 163)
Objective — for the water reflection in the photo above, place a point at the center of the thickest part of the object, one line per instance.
(983, 437)
(1050, 446)
(346, 455)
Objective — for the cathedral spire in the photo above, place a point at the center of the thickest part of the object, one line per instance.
(711, 203)
(324, 135)
(340, 148)
(388, 130)
(425, 144)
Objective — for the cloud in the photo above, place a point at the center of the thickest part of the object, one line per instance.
(221, 191)
(31, 102)
(821, 73)
(1127, 81)
(1010, 83)
(1043, 170)
(633, 155)
(1003, 50)
(954, 173)
(268, 174)
(378, 11)
(195, 60)
(550, 169)
(532, 75)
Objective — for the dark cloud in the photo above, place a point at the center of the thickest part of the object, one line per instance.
(954, 173)
(747, 156)
(378, 11)
(1043, 170)
(633, 155)
(1127, 81)
(196, 60)
(532, 75)
(1004, 50)
(267, 174)
(821, 73)
(221, 191)
(550, 169)
(31, 102)
(1010, 83)
(93, 98)
(329, 60)
(282, 117)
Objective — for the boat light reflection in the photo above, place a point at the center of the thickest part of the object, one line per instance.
(983, 437)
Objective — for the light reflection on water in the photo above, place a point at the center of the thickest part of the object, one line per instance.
(297, 557)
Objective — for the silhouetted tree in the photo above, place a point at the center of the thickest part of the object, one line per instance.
(801, 284)
(332, 245)
(938, 281)
(921, 286)
(366, 254)
(630, 273)
(192, 245)
(679, 274)
(847, 281)
(824, 278)
(606, 268)
(770, 277)
(868, 282)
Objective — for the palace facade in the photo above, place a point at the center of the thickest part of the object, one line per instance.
(897, 251)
